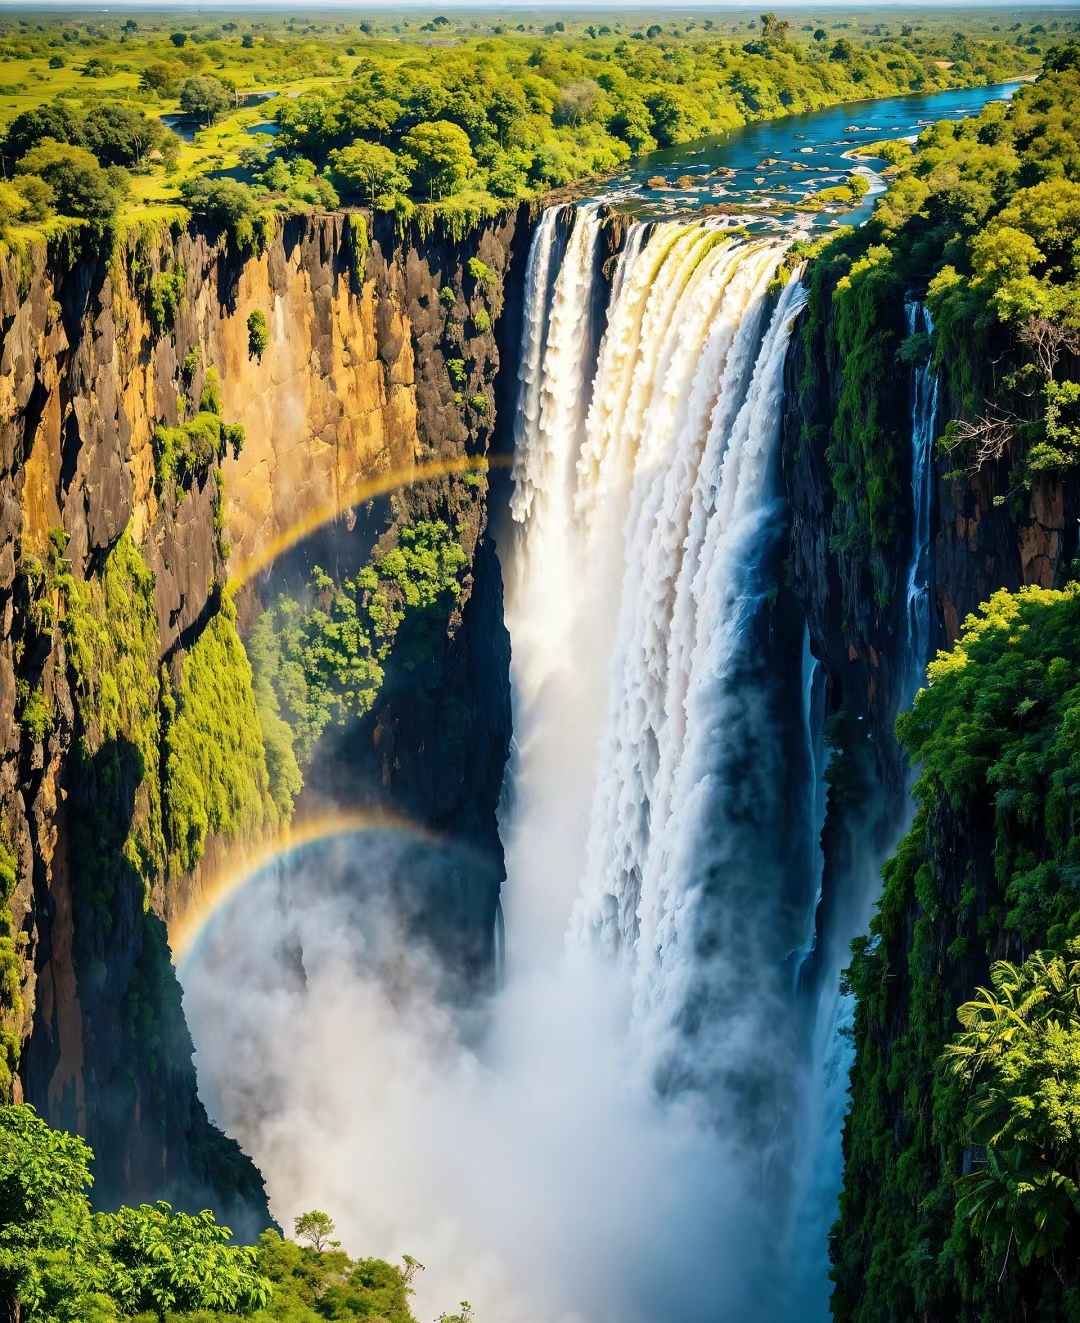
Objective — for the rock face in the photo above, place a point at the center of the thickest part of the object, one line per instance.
(979, 542)
(945, 916)
(352, 386)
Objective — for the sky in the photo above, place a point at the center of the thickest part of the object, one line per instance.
(526, 6)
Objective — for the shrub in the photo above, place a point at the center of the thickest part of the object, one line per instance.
(32, 711)
(481, 321)
(166, 291)
(58, 1260)
(482, 273)
(258, 334)
(210, 399)
(184, 453)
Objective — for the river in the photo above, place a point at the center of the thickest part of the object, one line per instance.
(778, 163)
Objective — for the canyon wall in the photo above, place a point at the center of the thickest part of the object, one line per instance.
(100, 344)
(950, 902)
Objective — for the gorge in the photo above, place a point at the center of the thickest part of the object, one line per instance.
(606, 1074)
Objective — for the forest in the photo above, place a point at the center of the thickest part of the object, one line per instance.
(236, 121)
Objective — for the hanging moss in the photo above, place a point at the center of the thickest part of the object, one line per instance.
(10, 973)
(111, 635)
(214, 759)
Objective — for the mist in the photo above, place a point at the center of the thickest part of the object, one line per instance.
(532, 1169)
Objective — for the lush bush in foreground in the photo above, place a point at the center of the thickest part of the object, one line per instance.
(62, 1263)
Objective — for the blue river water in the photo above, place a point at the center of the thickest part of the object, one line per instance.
(774, 164)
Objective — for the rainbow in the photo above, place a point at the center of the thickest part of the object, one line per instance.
(245, 863)
(381, 485)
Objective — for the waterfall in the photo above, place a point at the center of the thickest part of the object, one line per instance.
(817, 756)
(924, 405)
(654, 803)
(619, 1131)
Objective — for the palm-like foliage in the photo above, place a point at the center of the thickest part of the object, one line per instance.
(1019, 1054)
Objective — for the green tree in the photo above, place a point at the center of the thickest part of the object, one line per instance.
(370, 171)
(316, 1228)
(118, 134)
(205, 98)
(82, 187)
(577, 100)
(228, 204)
(773, 28)
(59, 120)
(162, 77)
(13, 206)
(442, 154)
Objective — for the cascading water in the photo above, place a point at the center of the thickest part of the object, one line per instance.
(655, 737)
(923, 434)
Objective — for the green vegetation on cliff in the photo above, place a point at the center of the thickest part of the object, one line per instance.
(110, 630)
(61, 1263)
(11, 962)
(164, 760)
(959, 1195)
(449, 117)
(324, 662)
(985, 217)
(1019, 1058)
(185, 454)
(215, 765)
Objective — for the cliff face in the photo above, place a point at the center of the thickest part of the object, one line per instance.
(96, 350)
(984, 536)
(948, 910)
